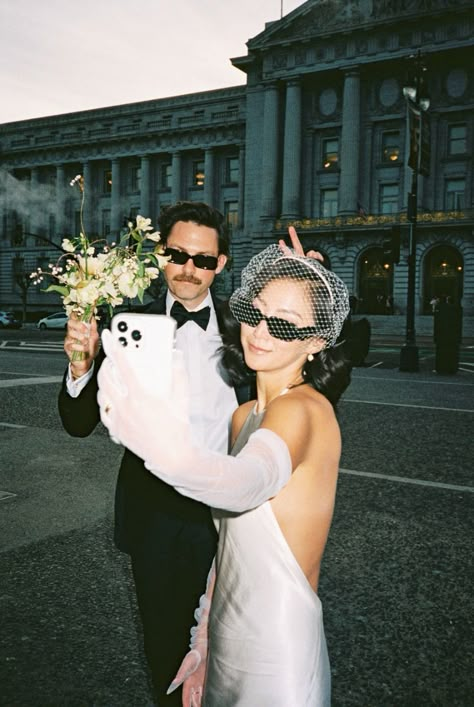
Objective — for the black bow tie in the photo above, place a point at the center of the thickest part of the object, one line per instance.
(182, 315)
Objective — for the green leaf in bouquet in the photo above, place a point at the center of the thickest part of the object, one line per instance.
(64, 291)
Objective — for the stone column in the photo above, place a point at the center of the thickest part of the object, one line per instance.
(36, 210)
(115, 211)
(292, 152)
(350, 144)
(88, 199)
(241, 186)
(176, 167)
(209, 176)
(145, 207)
(61, 220)
(270, 152)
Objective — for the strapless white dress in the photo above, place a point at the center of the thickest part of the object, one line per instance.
(266, 637)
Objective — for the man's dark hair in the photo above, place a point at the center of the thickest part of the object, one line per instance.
(197, 212)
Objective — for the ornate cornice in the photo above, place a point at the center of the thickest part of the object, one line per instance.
(376, 221)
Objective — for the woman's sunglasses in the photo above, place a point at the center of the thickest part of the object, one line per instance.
(180, 257)
(247, 313)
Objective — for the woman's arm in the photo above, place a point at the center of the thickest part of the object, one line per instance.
(159, 432)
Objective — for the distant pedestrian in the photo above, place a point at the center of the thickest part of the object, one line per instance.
(447, 336)
(434, 302)
(353, 301)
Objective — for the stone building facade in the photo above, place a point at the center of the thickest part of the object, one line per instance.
(317, 136)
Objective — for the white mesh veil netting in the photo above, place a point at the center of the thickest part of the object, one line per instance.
(323, 300)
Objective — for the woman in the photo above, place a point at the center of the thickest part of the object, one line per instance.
(265, 629)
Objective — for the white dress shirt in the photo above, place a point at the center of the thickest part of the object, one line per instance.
(212, 401)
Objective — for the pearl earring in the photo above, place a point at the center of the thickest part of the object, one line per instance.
(310, 357)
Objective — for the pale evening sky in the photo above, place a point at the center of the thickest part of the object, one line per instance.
(60, 56)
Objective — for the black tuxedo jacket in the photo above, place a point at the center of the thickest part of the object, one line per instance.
(140, 496)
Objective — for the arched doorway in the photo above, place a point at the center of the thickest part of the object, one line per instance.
(311, 243)
(443, 276)
(375, 278)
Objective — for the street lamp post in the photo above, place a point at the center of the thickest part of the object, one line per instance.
(417, 104)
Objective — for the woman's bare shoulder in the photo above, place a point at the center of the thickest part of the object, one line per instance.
(303, 401)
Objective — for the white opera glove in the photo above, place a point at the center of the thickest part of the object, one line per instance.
(192, 670)
(158, 431)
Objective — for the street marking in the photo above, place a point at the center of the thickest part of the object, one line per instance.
(45, 347)
(435, 381)
(15, 373)
(405, 405)
(30, 381)
(404, 480)
(466, 370)
(42, 344)
(10, 424)
(374, 365)
(6, 494)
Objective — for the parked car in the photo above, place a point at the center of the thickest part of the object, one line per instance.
(58, 320)
(9, 321)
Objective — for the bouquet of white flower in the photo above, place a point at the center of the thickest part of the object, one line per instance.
(94, 273)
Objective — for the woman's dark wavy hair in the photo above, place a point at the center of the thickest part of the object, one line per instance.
(329, 372)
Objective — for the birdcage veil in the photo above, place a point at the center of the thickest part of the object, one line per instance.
(322, 309)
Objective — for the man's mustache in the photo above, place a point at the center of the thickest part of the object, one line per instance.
(187, 278)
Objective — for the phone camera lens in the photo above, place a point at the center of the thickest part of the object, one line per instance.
(136, 335)
(122, 326)
(123, 341)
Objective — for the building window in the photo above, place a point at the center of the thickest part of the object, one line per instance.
(330, 157)
(166, 176)
(52, 226)
(457, 140)
(18, 271)
(41, 237)
(455, 194)
(328, 205)
(18, 234)
(391, 146)
(232, 170)
(107, 181)
(42, 263)
(77, 222)
(198, 173)
(105, 222)
(389, 194)
(135, 178)
(231, 213)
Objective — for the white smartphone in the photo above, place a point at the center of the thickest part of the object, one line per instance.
(147, 341)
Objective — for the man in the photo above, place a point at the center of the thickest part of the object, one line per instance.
(170, 538)
(447, 335)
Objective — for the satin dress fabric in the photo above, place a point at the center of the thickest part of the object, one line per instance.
(267, 646)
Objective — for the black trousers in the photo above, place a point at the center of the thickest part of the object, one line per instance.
(447, 359)
(170, 570)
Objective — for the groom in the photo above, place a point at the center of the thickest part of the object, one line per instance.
(170, 538)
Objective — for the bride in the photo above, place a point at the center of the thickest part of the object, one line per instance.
(260, 636)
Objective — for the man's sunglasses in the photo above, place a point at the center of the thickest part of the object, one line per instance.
(247, 313)
(180, 257)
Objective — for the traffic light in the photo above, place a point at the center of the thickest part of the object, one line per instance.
(391, 246)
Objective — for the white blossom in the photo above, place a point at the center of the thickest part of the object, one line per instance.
(67, 246)
(144, 224)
